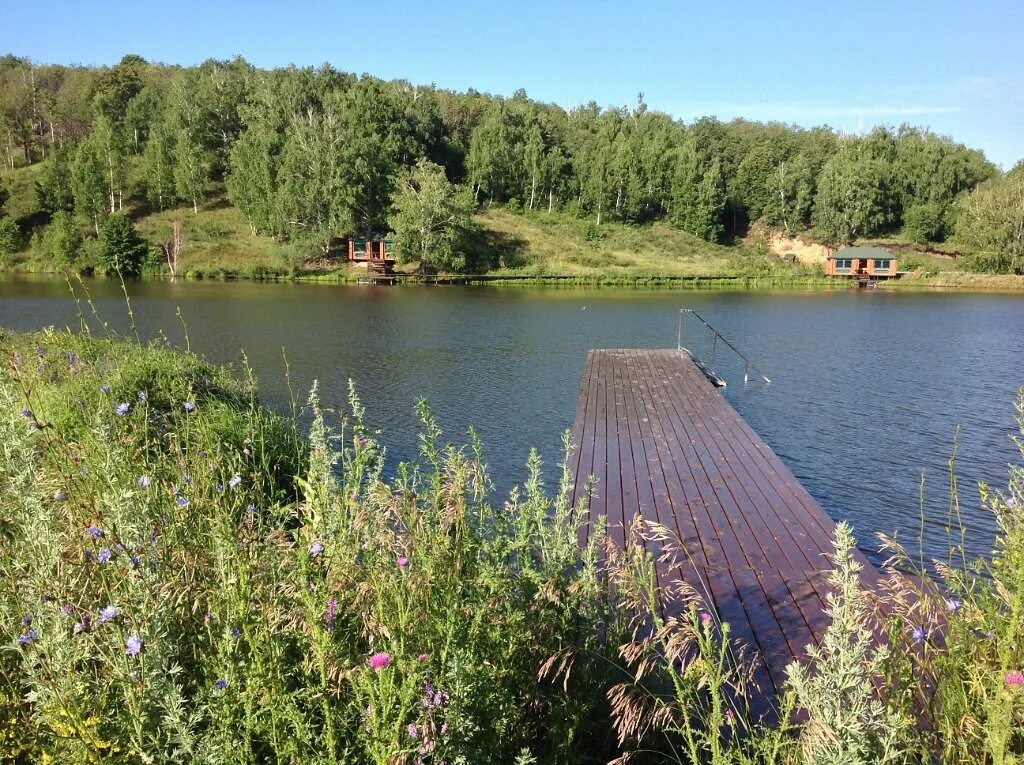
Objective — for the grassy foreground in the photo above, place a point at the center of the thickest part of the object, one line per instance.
(188, 577)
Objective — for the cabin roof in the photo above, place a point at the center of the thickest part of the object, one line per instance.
(875, 253)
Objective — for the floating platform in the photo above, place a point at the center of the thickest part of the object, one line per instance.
(664, 444)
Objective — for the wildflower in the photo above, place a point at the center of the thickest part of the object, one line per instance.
(953, 604)
(109, 613)
(206, 617)
(175, 489)
(414, 731)
(315, 549)
(444, 729)
(133, 645)
(919, 634)
(80, 627)
(186, 479)
(95, 531)
(730, 717)
(1011, 502)
(105, 389)
(1015, 678)
(202, 452)
(991, 635)
(380, 660)
(26, 621)
(705, 617)
(236, 633)
(67, 609)
(122, 408)
(142, 395)
(235, 480)
(182, 501)
(402, 562)
(252, 508)
(104, 555)
(144, 481)
(424, 657)
(60, 495)
(136, 561)
(220, 488)
(190, 406)
(29, 637)
(222, 684)
(332, 613)
(26, 412)
(72, 358)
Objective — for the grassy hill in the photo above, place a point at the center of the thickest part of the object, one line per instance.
(218, 243)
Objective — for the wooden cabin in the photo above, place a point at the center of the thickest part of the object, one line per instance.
(863, 263)
(372, 252)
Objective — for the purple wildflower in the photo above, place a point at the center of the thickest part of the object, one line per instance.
(252, 507)
(26, 412)
(143, 395)
(315, 549)
(67, 609)
(953, 604)
(220, 488)
(109, 613)
(182, 501)
(1015, 678)
(414, 731)
(28, 638)
(423, 657)
(332, 613)
(144, 481)
(136, 561)
(105, 389)
(190, 406)
(402, 561)
(235, 480)
(104, 555)
(122, 408)
(706, 618)
(133, 645)
(222, 684)
(186, 479)
(26, 621)
(236, 633)
(1011, 502)
(202, 452)
(444, 729)
(95, 531)
(72, 358)
(919, 634)
(379, 661)
(80, 627)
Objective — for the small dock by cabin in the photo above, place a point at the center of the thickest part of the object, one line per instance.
(664, 444)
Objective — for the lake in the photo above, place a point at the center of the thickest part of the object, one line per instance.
(868, 387)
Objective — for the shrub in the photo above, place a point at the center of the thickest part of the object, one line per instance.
(10, 237)
(121, 251)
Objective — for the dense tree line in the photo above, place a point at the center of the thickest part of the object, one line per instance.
(314, 154)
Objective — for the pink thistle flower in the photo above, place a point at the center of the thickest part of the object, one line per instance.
(424, 657)
(403, 561)
(1015, 678)
(705, 617)
(380, 660)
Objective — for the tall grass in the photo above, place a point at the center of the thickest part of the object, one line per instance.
(188, 577)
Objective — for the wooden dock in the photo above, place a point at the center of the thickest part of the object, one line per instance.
(663, 443)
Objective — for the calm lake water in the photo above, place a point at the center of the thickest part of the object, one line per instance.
(868, 388)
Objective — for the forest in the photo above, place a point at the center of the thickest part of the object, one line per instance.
(309, 155)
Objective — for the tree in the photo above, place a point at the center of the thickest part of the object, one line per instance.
(121, 251)
(855, 196)
(991, 224)
(53, 189)
(158, 169)
(10, 237)
(88, 186)
(62, 241)
(430, 218)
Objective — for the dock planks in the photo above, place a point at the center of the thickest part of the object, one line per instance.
(663, 443)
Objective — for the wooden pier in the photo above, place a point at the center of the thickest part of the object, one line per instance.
(664, 444)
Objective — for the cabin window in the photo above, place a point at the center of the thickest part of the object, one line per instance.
(882, 265)
(843, 265)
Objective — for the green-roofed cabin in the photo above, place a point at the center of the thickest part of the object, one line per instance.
(373, 252)
(863, 263)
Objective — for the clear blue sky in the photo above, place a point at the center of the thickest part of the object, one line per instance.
(957, 67)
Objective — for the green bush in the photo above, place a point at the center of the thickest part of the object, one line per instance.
(10, 237)
(121, 250)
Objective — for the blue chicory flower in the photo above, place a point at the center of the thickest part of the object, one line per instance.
(182, 501)
(222, 684)
(28, 638)
(122, 408)
(109, 613)
(133, 645)
(190, 406)
(105, 389)
(144, 481)
(95, 531)
(143, 395)
(104, 555)
(26, 412)
(235, 480)
(316, 548)
(919, 634)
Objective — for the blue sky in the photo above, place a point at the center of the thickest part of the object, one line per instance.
(949, 66)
